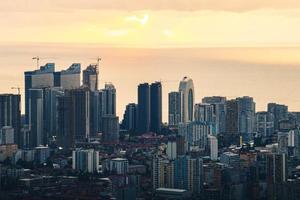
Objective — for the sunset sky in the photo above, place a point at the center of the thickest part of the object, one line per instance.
(159, 23)
(228, 47)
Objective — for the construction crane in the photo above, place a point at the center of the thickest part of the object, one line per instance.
(17, 88)
(37, 58)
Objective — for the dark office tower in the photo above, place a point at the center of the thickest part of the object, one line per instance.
(175, 108)
(143, 108)
(155, 107)
(36, 117)
(90, 77)
(219, 104)
(110, 128)
(81, 106)
(246, 109)
(68, 79)
(10, 113)
(41, 78)
(65, 122)
(130, 117)
(232, 123)
(279, 111)
(109, 99)
(276, 168)
(50, 111)
(95, 112)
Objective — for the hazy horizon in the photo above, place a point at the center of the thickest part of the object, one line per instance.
(269, 74)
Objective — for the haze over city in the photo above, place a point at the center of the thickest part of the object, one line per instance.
(144, 41)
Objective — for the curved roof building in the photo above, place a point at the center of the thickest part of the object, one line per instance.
(186, 87)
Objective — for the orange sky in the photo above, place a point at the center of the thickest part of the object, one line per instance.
(235, 47)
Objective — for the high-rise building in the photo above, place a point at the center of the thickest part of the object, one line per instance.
(175, 108)
(118, 166)
(50, 111)
(90, 77)
(219, 104)
(276, 168)
(205, 113)
(232, 123)
(162, 173)
(65, 136)
(265, 124)
(171, 149)
(36, 117)
(279, 111)
(85, 160)
(195, 133)
(41, 78)
(188, 174)
(246, 121)
(143, 125)
(155, 107)
(81, 103)
(186, 87)
(110, 128)
(68, 79)
(130, 117)
(10, 113)
(109, 100)
(213, 147)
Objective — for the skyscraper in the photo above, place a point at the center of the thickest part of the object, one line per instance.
(65, 122)
(50, 111)
(175, 108)
(204, 113)
(68, 79)
(81, 112)
(213, 147)
(232, 123)
(155, 107)
(246, 112)
(110, 129)
(143, 108)
(186, 86)
(90, 77)
(36, 117)
(10, 113)
(279, 111)
(85, 160)
(130, 117)
(219, 104)
(109, 99)
(41, 78)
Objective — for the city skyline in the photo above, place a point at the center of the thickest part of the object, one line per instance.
(201, 66)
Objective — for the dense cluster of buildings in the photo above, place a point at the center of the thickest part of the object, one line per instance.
(69, 143)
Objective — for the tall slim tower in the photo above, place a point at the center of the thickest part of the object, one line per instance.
(186, 86)
(175, 108)
(155, 107)
(143, 108)
(36, 119)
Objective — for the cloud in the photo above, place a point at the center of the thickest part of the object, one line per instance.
(141, 21)
(179, 5)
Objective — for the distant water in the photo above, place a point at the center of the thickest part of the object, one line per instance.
(267, 74)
